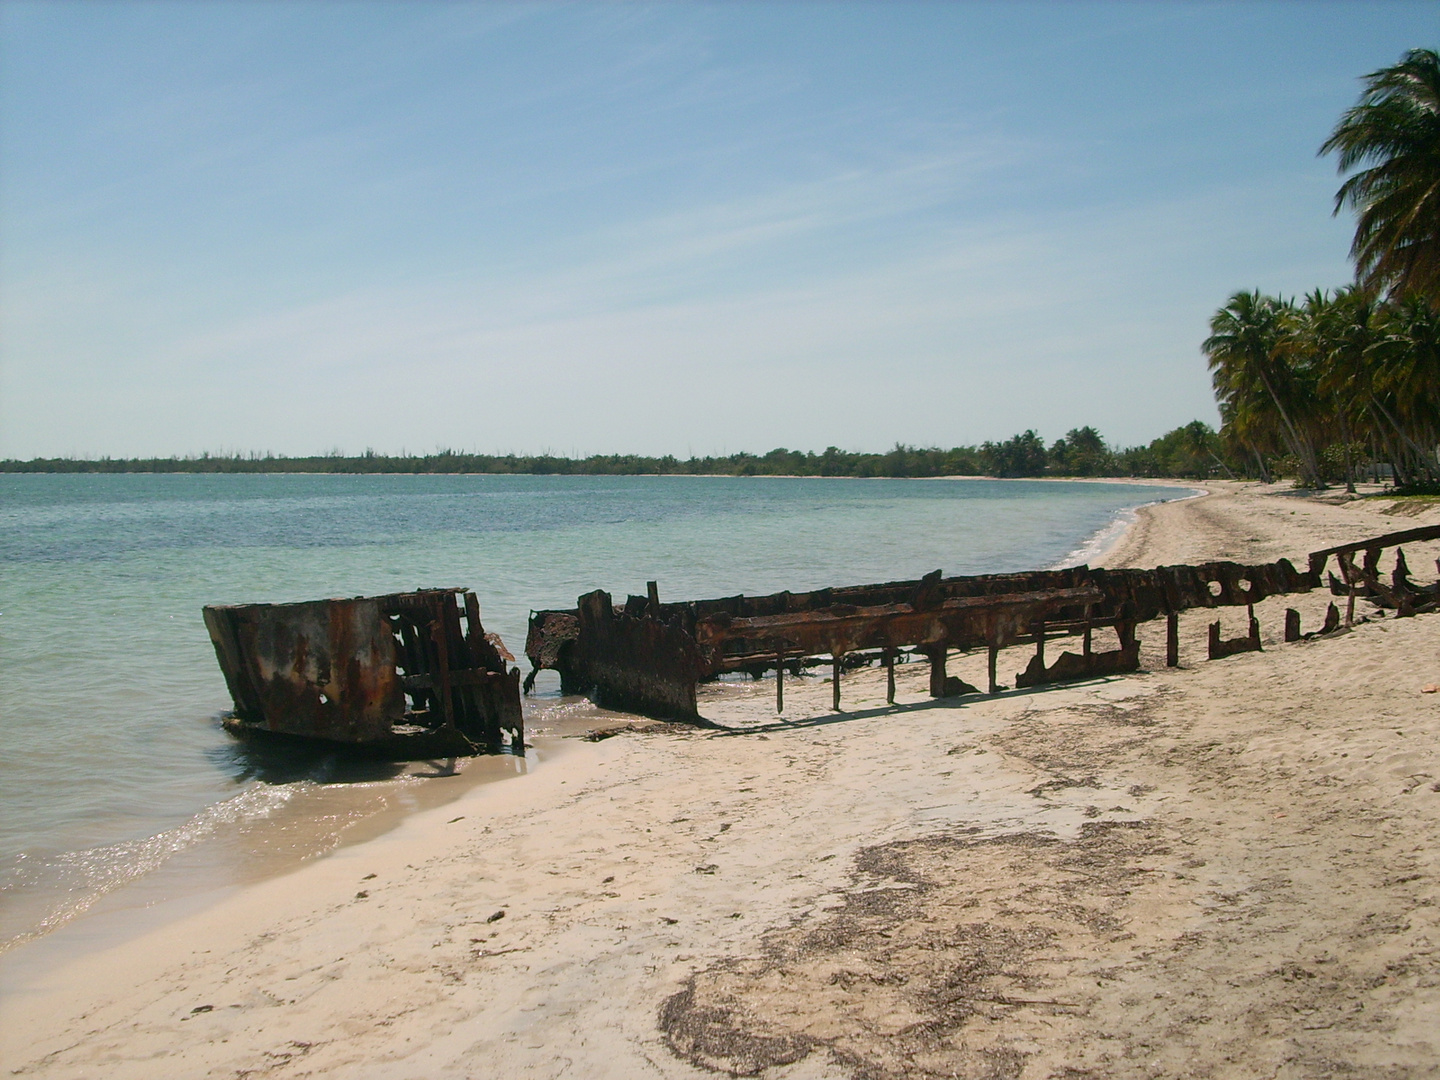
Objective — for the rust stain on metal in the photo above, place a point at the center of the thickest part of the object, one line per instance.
(342, 670)
(1220, 648)
(648, 657)
(1399, 594)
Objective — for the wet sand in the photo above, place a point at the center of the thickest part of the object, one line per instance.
(1226, 869)
(269, 830)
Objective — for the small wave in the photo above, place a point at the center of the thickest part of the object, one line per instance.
(1102, 540)
(1106, 537)
(58, 888)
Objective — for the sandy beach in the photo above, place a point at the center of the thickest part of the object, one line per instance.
(1226, 869)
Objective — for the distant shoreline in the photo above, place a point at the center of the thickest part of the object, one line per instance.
(7, 468)
(1025, 456)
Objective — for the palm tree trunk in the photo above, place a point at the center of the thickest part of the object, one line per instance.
(1303, 451)
(1345, 446)
(1421, 454)
(1260, 460)
(1394, 453)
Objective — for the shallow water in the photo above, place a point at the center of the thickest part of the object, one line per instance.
(113, 767)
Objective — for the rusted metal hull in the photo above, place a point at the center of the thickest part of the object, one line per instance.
(1400, 594)
(959, 622)
(341, 671)
(640, 665)
(648, 657)
(325, 668)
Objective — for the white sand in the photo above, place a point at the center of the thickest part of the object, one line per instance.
(1223, 870)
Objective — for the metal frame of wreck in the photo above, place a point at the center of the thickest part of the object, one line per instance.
(340, 670)
(649, 657)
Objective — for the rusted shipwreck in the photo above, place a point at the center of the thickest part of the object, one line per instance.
(341, 671)
(649, 657)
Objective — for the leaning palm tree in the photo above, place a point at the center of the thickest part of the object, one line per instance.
(1405, 382)
(1340, 332)
(1394, 129)
(1259, 380)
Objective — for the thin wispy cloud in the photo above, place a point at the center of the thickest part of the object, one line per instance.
(648, 229)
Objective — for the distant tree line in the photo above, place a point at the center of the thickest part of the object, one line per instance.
(1189, 451)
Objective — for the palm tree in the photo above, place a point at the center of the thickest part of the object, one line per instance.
(1405, 385)
(1339, 332)
(1394, 129)
(1261, 388)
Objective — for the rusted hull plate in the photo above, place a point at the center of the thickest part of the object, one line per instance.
(1071, 667)
(962, 622)
(636, 664)
(341, 671)
(547, 645)
(1219, 647)
(324, 668)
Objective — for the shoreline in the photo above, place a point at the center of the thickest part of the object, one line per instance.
(139, 903)
(1181, 482)
(1109, 538)
(208, 865)
(649, 879)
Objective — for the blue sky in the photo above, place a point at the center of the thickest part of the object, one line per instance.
(687, 228)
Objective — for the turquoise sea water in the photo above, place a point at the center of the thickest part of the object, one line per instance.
(112, 762)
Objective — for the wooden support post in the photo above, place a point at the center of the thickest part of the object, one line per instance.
(473, 636)
(994, 654)
(890, 676)
(439, 635)
(779, 682)
(1087, 628)
(652, 589)
(1400, 578)
(835, 681)
(1172, 639)
(1292, 624)
(1347, 571)
(1254, 628)
(937, 670)
(1038, 629)
(1215, 640)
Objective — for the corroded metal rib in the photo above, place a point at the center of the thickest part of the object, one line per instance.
(648, 656)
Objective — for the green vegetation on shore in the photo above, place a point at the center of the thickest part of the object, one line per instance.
(1320, 388)
(1189, 451)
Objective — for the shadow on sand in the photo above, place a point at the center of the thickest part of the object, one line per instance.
(900, 709)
